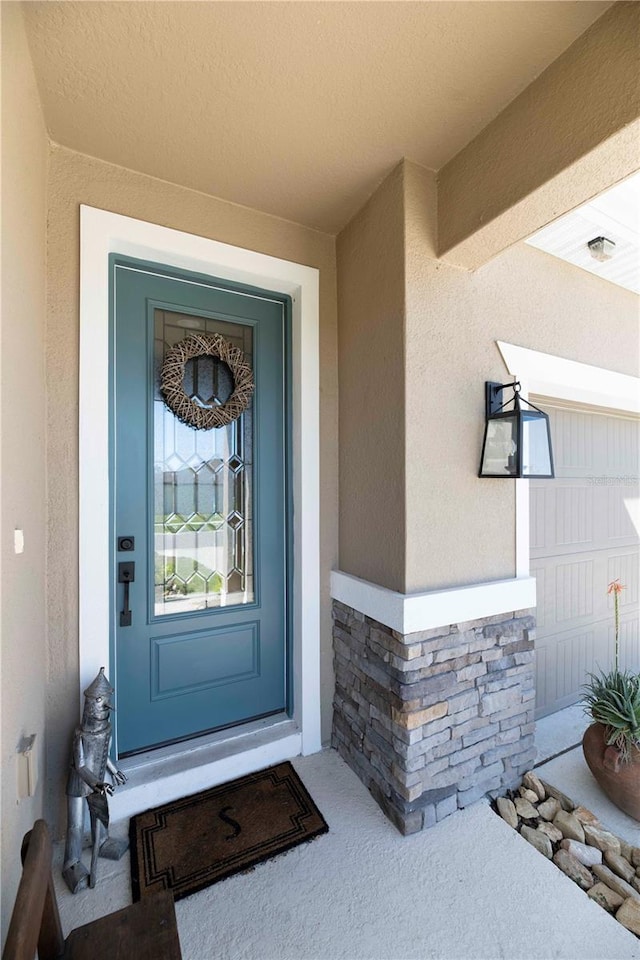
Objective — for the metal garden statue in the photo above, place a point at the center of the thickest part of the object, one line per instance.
(90, 764)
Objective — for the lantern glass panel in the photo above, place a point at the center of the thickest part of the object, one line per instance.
(500, 446)
(536, 446)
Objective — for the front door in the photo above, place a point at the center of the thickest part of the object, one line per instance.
(200, 513)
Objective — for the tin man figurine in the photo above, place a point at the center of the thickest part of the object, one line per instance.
(90, 764)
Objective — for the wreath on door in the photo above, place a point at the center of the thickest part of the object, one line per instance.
(172, 381)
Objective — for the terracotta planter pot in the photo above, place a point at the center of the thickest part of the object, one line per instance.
(620, 781)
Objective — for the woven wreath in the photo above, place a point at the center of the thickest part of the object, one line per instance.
(172, 380)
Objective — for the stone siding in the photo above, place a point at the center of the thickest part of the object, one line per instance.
(433, 721)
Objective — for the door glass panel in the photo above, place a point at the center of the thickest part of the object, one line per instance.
(203, 481)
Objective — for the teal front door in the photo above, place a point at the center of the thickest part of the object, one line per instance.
(200, 517)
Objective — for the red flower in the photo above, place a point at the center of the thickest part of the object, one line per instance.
(616, 587)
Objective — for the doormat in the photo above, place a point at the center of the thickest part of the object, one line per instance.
(191, 843)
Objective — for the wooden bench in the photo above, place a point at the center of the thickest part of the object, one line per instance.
(146, 930)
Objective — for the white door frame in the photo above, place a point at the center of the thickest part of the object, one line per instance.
(557, 378)
(102, 233)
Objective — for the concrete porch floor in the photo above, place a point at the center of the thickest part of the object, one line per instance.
(468, 888)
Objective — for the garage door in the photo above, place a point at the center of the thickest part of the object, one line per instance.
(585, 532)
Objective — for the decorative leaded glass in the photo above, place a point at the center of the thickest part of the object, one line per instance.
(203, 481)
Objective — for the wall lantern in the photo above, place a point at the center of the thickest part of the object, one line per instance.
(517, 442)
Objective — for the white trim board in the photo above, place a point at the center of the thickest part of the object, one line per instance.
(556, 378)
(102, 233)
(561, 379)
(411, 613)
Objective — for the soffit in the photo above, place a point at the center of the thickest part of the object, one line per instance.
(614, 214)
(298, 109)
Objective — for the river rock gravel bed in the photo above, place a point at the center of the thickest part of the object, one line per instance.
(606, 867)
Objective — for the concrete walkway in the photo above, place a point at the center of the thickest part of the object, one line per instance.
(469, 888)
(559, 731)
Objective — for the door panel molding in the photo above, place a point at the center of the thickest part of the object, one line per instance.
(102, 233)
(166, 679)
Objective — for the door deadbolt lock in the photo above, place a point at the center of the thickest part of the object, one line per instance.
(125, 544)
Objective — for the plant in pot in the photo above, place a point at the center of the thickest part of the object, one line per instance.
(611, 745)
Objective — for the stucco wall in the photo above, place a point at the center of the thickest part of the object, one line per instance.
(461, 529)
(22, 399)
(75, 179)
(370, 257)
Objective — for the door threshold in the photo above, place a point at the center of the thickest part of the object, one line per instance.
(169, 773)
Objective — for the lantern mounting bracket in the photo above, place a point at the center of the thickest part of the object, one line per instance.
(493, 396)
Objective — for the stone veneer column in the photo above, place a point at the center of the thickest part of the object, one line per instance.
(433, 721)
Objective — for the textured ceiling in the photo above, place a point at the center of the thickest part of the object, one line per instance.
(298, 109)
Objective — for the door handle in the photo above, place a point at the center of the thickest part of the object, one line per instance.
(126, 575)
